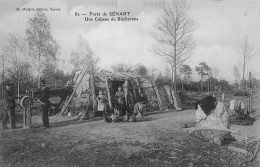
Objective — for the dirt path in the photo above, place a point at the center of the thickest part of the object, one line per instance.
(157, 141)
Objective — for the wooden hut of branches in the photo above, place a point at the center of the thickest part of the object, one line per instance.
(87, 85)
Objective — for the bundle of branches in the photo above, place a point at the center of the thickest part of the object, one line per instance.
(152, 100)
(241, 93)
(62, 92)
(166, 103)
(253, 149)
(218, 137)
(77, 106)
(186, 101)
(241, 118)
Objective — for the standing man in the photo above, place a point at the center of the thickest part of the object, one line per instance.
(10, 107)
(45, 103)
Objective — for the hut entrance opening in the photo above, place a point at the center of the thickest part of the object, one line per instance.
(115, 85)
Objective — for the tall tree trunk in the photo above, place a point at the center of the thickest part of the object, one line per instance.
(18, 84)
(39, 69)
(3, 77)
(18, 87)
(244, 69)
(93, 89)
(172, 77)
(212, 86)
(182, 85)
(175, 70)
(175, 79)
(29, 84)
(175, 60)
(208, 85)
(201, 83)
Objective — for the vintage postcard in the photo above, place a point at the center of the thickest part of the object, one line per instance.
(130, 83)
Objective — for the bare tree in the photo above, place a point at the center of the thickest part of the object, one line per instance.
(122, 67)
(174, 36)
(246, 51)
(237, 75)
(185, 72)
(17, 52)
(213, 76)
(83, 56)
(210, 76)
(167, 71)
(20, 75)
(41, 42)
(215, 72)
(153, 72)
(3, 63)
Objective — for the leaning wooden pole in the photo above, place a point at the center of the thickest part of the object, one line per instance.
(158, 95)
(126, 91)
(132, 83)
(139, 89)
(250, 93)
(175, 101)
(71, 96)
(108, 94)
(92, 82)
(223, 97)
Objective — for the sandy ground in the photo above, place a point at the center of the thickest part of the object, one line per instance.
(159, 140)
(250, 133)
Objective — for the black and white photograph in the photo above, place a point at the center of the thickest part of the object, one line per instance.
(130, 83)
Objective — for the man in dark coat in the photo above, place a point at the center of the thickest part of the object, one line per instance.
(10, 107)
(142, 99)
(140, 106)
(45, 103)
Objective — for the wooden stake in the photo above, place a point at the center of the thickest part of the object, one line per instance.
(126, 91)
(93, 90)
(29, 110)
(108, 94)
(136, 80)
(133, 89)
(24, 117)
(175, 101)
(250, 92)
(223, 97)
(168, 93)
(26, 104)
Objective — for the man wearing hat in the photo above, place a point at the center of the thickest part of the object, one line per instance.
(10, 106)
(142, 99)
(140, 107)
(45, 103)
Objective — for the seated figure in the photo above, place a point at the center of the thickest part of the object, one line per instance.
(140, 107)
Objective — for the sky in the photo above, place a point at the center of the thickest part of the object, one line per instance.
(220, 26)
